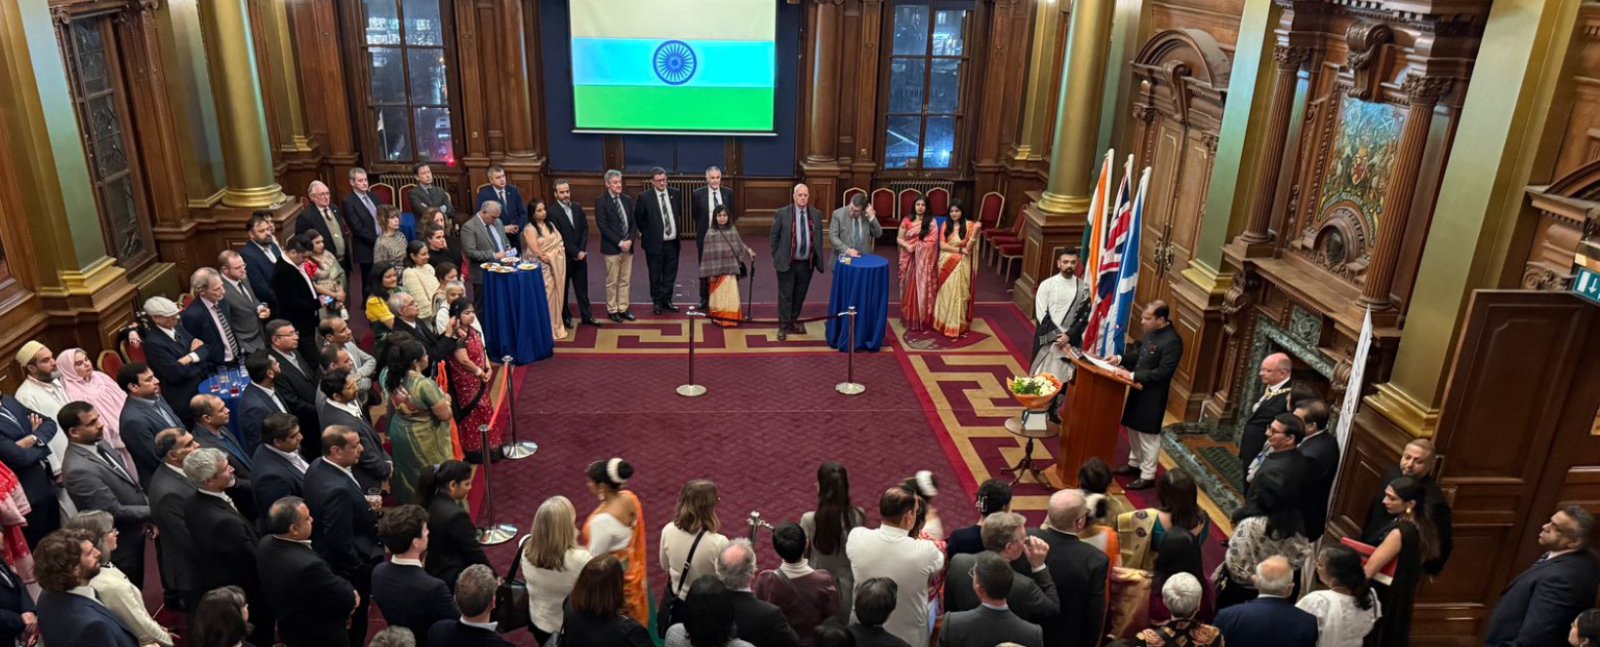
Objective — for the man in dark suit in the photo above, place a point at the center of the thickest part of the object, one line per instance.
(796, 241)
(757, 621)
(347, 531)
(169, 494)
(261, 255)
(96, 480)
(875, 599)
(342, 408)
(65, 561)
(206, 319)
(297, 379)
(1321, 451)
(260, 399)
(177, 358)
(211, 417)
(992, 622)
(704, 203)
(1274, 401)
(324, 218)
(475, 589)
(277, 468)
(298, 301)
(1078, 569)
(17, 614)
(144, 414)
(1034, 598)
(245, 312)
(613, 214)
(360, 210)
(994, 495)
(1538, 606)
(656, 210)
(313, 604)
(1271, 618)
(513, 211)
(426, 195)
(573, 225)
(1282, 457)
(406, 594)
(225, 541)
(24, 439)
(1416, 461)
(1151, 363)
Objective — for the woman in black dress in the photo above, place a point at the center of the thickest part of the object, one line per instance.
(1411, 540)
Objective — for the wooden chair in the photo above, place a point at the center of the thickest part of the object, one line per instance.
(109, 362)
(384, 193)
(1009, 249)
(883, 203)
(851, 193)
(989, 210)
(133, 353)
(939, 201)
(405, 200)
(185, 300)
(907, 199)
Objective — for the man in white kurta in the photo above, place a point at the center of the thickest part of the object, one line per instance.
(44, 393)
(889, 551)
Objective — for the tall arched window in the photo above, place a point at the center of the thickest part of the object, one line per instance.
(927, 64)
(406, 60)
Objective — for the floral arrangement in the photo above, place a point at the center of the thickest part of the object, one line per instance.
(1035, 392)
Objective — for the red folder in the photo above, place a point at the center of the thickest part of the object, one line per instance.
(1385, 576)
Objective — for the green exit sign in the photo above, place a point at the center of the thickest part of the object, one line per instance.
(1587, 284)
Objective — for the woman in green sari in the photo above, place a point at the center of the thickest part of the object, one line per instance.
(419, 419)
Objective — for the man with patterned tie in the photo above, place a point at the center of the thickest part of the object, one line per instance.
(325, 218)
(482, 241)
(656, 210)
(206, 318)
(705, 202)
(1274, 402)
(513, 211)
(796, 240)
(97, 480)
(613, 214)
(361, 214)
(245, 312)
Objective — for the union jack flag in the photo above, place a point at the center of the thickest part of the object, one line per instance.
(1103, 337)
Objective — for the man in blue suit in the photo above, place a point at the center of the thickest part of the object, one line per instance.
(69, 614)
(1272, 618)
(17, 615)
(206, 317)
(277, 469)
(1538, 607)
(513, 210)
(261, 256)
(144, 416)
(24, 440)
(259, 399)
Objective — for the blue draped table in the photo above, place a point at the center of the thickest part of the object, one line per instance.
(516, 316)
(228, 384)
(863, 283)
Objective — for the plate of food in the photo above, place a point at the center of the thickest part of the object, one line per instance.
(488, 265)
(528, 266)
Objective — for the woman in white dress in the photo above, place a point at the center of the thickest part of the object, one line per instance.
(551, 561)
(1346, 611)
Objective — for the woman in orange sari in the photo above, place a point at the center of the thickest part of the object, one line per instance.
(726, 258)
(617, 527)
(919, 263)
(952, 308)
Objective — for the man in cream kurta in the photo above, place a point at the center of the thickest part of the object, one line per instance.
(43, 392)
(889, 551)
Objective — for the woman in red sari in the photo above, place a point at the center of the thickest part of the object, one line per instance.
(919, 262)
(469, 384)
(952, 308)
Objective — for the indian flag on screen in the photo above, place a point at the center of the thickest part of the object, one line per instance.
(674, 65)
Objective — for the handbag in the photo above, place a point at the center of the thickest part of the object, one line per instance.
(670, 611)
(511, 597)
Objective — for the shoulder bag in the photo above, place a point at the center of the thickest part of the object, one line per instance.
(511, 597)
(670, 611)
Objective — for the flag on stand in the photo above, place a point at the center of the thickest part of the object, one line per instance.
(1097, 339)
(1352, 392)
(1128, 274)
(1095, 220)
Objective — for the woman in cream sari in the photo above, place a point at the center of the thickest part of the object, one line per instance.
(952, 308)
(541, 240)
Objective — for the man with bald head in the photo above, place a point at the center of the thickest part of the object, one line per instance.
(323, 216)
(1078, 570)
(1274, 401)
(796, 239)
(1416, 461)
(1271, 618)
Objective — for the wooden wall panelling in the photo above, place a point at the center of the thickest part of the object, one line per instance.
(1004, 75)
(1219, 18)
(327, 99)
(480, 116)
(860, 154)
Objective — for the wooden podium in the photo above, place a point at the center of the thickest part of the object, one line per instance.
(1090, 422)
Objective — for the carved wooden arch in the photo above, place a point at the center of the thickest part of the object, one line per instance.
(1569, 215)
(1174, 55)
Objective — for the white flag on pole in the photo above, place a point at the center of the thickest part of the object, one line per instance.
(1352, 392)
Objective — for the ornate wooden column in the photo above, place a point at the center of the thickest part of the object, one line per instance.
(297, 157)
(1289, 59)
(326, 97)
(1002, 77)
(820, 166)
(1423, 94)
(240, 114)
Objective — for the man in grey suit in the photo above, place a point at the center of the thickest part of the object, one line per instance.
(1033, 598)
(482, 241)
(426, 194)
(993, 623)
(144, 414)
(854, 229)
(796, 239)
(97, 480)
(246, 313)
(168, 493)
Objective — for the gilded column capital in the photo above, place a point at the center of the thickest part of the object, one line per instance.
(1426, 91)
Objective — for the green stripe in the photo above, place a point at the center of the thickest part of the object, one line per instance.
(613, 107)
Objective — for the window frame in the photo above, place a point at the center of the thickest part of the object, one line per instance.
(354, 15)
(960, 115)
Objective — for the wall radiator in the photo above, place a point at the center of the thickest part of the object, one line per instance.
(921, 186)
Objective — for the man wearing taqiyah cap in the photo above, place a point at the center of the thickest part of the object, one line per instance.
(179, 360)
(24, 448)
(44, 393)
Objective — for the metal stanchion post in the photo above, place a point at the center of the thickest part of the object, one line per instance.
(850, 386)
(491, 533)
(515, 450)
(690, 389)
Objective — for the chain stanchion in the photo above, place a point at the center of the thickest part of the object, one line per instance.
(690, 389)
(515, 450)
(850, 386)
(490, 533)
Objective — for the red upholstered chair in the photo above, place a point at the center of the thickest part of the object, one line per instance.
(883, 203)
(110, 362)
(989, 210)
(1004, 239)
(1009, 248)
(185, 300)
(384, 192)
(405, 199)
(939, 201)
(851, 193)
(908, 201)
(133, 353)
